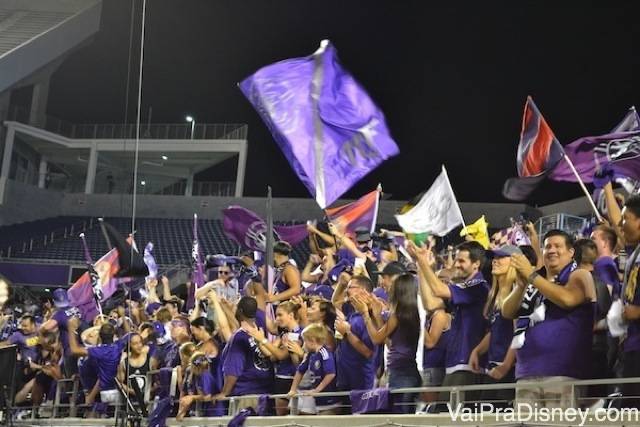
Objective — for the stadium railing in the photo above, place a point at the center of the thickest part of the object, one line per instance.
(65, 409)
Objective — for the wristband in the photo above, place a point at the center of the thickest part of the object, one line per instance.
(532, 277)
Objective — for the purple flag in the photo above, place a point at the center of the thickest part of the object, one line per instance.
(249, 230)
(197, 277)
(370, 401)
(327, 126)
(619, 150)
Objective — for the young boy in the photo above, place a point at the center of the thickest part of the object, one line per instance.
(321, 366)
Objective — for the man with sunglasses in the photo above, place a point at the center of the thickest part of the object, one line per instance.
(228, 285)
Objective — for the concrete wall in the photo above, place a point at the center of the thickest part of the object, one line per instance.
(28, 203)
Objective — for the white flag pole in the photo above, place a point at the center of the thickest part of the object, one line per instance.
(454, 196)
(584, 188)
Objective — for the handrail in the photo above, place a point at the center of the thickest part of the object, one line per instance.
(47, 238)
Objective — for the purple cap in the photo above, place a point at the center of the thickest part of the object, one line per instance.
(505, 251)
(151, 308)
(60, 298)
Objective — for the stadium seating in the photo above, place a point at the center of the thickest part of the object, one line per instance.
(172, 239)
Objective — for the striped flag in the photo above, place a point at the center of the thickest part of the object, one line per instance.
(363, 213)
(538, 153)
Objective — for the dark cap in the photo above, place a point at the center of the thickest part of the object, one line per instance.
(393, 268)
(362, 235)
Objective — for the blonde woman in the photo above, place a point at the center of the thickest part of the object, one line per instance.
(500, 358)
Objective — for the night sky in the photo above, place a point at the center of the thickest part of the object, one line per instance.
(451, 78)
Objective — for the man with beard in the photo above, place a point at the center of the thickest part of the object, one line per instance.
(467, 295)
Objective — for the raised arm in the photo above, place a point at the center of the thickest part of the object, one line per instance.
(578, 290)
(220, 317)
(535, 243)
(511, 304)
(166, 290)
(291, 277)
(312, 263)
(76, 349)
(437, 286)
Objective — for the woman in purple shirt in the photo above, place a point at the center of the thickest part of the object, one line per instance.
(403, 330)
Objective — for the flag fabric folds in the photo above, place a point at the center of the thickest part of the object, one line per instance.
(197, 272)
(436, 213)
(478, 231)
(362, 213)
(248, 230)
(81, 293)
(538, 152)
(514, 235)
(326, 124)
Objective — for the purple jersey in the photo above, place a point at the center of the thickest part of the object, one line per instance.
(62, 316)
(107, 357)
(501, 337)
(285, 368)
(243, 359)
(355, 370)
(468, 325)
(88, 372)
(606, 270)
(631, 295)
(27, 345)
(320, 364)
(205, 385)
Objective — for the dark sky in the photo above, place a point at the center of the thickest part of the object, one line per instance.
(451, 77)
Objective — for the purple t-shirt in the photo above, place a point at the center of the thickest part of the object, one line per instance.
(243, 359)
(88, 371)
(62, 316)
(606, 270)
(285, 368)
(631, 295)
(27, 345)
(107, 357)
(468, 325)
(320, 364)
(355, 370)
(205, 385)
(501, 337)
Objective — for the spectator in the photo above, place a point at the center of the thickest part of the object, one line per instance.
(559, 301)
(246, 369)
(320, 362)
(356, 351)
(631, 297)
(201, 388)
(497, 342)
(467, 295)
(287, 283)
(605, 268)
(402, 330)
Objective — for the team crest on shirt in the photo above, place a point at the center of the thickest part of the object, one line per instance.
(316, 364)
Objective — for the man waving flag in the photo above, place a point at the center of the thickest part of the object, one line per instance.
(327, 126)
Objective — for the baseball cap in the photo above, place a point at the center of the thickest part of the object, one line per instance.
(392, 268)
(504, 251)
(362, 235)
(60, 298)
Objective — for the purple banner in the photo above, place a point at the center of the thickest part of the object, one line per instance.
(249, 230)
(327, 126)
(619, 150)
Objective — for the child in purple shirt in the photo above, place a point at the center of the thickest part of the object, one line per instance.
(320, 362)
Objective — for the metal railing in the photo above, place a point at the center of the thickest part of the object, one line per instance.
(65, 401)
(26, 245)
(222, 131)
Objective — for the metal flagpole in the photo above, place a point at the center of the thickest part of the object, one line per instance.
(584, 188)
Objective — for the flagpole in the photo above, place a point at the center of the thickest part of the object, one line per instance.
(584, 188)
(268, 250)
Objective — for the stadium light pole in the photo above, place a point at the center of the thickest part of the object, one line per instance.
(191, 120)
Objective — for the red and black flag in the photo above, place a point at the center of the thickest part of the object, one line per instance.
(538, 153)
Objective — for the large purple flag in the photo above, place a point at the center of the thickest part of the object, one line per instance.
(327, 126)
(249, 230)
(619, 150)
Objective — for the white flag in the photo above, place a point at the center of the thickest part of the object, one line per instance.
(436, 213)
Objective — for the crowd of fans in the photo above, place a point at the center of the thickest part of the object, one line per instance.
(349, 320)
